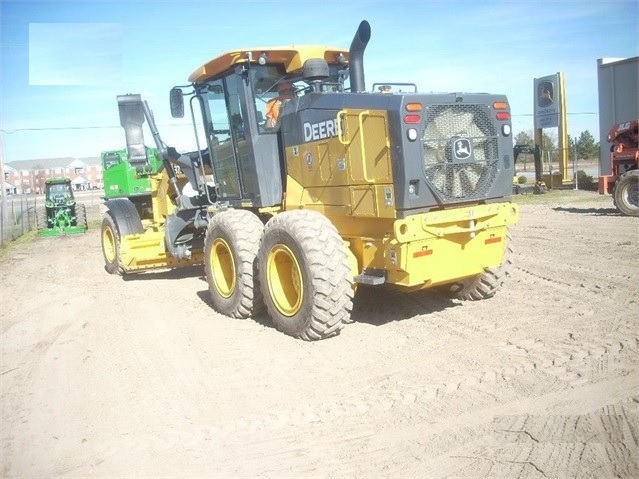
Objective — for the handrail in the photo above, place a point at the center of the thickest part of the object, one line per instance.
(360, 119)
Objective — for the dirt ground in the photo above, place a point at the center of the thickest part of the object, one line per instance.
(104, 376)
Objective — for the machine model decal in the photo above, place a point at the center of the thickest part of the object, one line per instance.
(320, 130)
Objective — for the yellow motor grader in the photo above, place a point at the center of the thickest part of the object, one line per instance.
(389, 187)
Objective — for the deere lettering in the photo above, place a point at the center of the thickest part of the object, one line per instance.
(320, 130)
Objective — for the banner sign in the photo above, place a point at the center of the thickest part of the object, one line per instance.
(547, 101)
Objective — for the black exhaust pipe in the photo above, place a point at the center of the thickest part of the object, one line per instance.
(356, 57)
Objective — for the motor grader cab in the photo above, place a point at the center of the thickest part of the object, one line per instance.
(348, 187)
(623, 181)
(61, 214)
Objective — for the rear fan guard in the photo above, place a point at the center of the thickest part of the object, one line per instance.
(452, 177)
(462, 181)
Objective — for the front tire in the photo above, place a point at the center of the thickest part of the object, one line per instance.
(487, 284)
(305, 276)
(230, 250)
(111, 246)
(120, 220)
(626, 193)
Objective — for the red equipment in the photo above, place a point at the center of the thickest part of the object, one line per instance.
(623, 182)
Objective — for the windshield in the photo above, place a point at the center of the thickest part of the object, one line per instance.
(271, 84)
(59, 192)
(60, 189)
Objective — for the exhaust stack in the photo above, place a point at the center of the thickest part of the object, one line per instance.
(133, 112)
(132, 119)
(356, 57)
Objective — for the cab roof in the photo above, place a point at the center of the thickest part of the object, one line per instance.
(292, 57)
(57, 180)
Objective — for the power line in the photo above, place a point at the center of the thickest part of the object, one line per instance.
(569, 113)
(9, 132)
(51, 128)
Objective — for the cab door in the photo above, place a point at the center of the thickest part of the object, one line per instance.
(246, 159)
(225, 135)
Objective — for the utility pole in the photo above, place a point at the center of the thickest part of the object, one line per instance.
(3, 193)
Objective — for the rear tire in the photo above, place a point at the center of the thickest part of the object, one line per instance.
(230, 251)
(305, 275)
(487, 284)
(81, 215)
(626, 193)
(41, 219)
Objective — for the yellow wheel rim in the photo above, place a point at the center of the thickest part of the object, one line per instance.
(108, 245)
(285, 280)
(222, 268)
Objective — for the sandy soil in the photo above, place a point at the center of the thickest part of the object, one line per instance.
(109, 377)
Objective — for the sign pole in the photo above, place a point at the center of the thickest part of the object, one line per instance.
(564, 146)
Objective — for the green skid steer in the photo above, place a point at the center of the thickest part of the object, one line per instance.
(61, 215)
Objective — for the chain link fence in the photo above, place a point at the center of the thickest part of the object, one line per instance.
(579, 173)
(19, 218)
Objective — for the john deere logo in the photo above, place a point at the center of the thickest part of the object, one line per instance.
(462, 149)
(545, 94)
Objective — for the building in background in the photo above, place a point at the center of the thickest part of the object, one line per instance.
(29, 176)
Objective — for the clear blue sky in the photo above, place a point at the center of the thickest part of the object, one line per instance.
(63, 63)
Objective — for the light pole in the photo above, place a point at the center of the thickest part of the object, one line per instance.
(575, 164)
(3, 192)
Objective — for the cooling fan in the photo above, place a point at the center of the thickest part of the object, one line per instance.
(460, 150)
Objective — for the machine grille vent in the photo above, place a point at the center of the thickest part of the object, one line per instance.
(460, 150)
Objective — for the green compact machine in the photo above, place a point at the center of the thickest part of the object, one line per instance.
(60, 215)
(125, 176)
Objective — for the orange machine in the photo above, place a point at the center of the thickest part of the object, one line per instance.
(623, 182)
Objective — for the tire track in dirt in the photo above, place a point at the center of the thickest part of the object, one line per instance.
(580, 276)
(390, 398)
(559, 359)
(577, 361)
(593, 445)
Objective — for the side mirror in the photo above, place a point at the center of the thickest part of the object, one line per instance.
(177, 103)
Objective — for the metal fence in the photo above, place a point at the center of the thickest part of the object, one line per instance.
(20, 215)
(19, 218)
(551, 173)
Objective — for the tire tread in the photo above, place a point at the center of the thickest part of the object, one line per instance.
(326, 258)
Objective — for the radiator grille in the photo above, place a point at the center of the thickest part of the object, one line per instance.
(460, 150)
